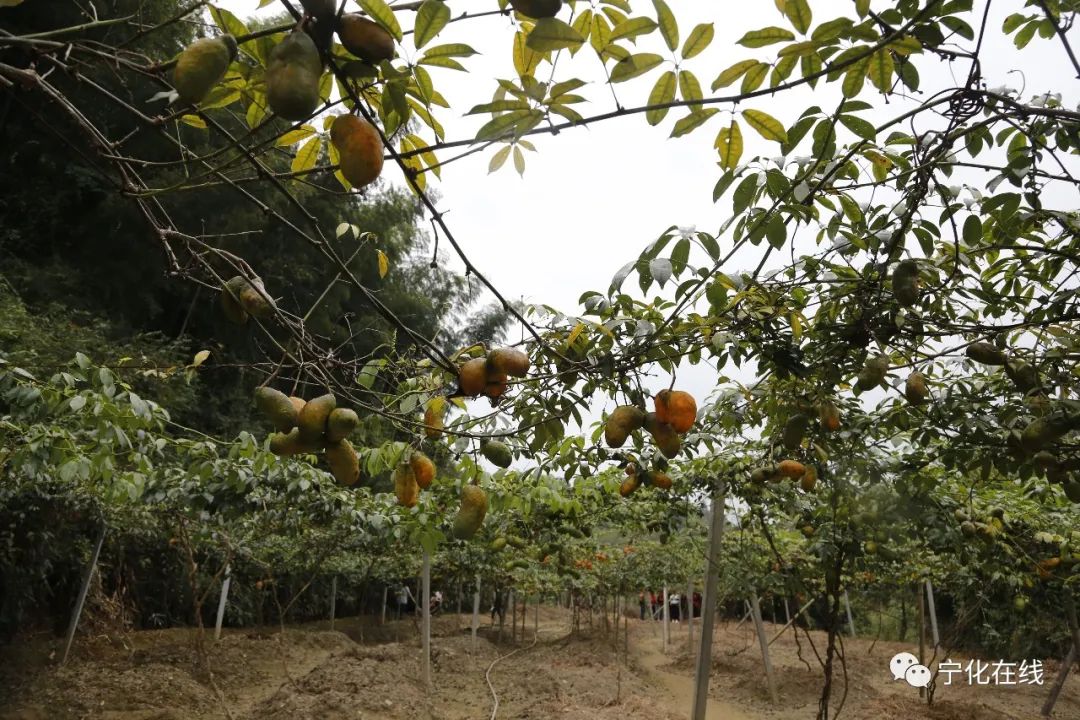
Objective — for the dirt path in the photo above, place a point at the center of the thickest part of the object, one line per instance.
(364, 671)
(650, 655)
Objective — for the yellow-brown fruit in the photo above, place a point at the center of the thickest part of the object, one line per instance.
(830, 416)
(360, 149)
(809, 479)
(311, 421)
(795, 431)
(663, 435)
(254, 300)
(298, 403)
(873, 373)
(423, 469)
(230, 300)
(343, 461)
(764, 473)
(495, 386)
(292, 77)
(915, 389)
(470, 516)
(277, 408)
(985, 353)
(508, 361)
(629, 485)
(791, 468)
(1024, 375)
(537, 8)
(284, 444)
(623, 420)
(433, 419)
(660, 480)
(201, 66)
(905, 283)
(472, 377)
(365, 39)
(676, 408)
(405, 487)
(340, 424)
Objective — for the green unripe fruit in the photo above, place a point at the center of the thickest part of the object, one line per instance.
(537, 9)
(311, 421)
(277, 407)
(292, 77)
(497, 453)
(201, 66)
(905, 282)
(985, 353)
(470, 516)
(873, 373)
(340, 424)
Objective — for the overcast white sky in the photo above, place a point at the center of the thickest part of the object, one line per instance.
(592, 198)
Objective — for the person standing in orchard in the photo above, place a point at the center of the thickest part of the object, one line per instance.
(641, 603)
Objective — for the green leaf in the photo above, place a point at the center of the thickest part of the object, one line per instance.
(798, 12)
(881, 69)
(498, 159)
(632, 27)
(776, 230)
(862, 7)
(634, 66)
(689, 87)
(450, 50)
(973, 230)
(499, 106)
(553, 34)
(699, 39)
(526, 60)
(766, 125)
(307, 155)
(663, 92)
(729, 143)
(381, 13)
(519, 161)
(859, 126)
(853, 80)
(754, 77)
(733, 73)
(765, 36)
(692, 121)
(669, 28)
(515, 121)
(228, 22)
(431, 18)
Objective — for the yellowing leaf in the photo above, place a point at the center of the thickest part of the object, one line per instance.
(698, 40)
(578, 329)
(384, 264)
(307, 155)
(798, 12)
(663, 92)
(729, 143)
(881, 69)
(553, 34)
(669, 28)
(733, 73)
(200, 358)
(766, 125)
(381, 13)
(431, 18)
(194, 121)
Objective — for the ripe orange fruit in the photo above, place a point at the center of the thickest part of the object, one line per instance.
(496, 385)
(472, 377)
(676, 408)
(423, 469)
(791, 469)
(508, 361)
(830, 417)
(360, 147)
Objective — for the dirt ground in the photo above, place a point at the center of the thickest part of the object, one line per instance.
(362, 671)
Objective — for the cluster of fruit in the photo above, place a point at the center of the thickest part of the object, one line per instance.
(675, 413)
(488, 375)
(309, 426)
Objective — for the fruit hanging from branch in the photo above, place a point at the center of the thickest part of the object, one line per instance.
(360, 149)
(677, 408)
(470, 516)
(905, 283)
(343, 461)
(277, 407)
(340, 424)
(497, 453)
(537, 9)
(292, 77)
(423, 469)
(311, 421)
(623, 421)
(201, 66)
(405, 486)
(365, 39)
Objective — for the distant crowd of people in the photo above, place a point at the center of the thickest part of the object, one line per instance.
(652, 602)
